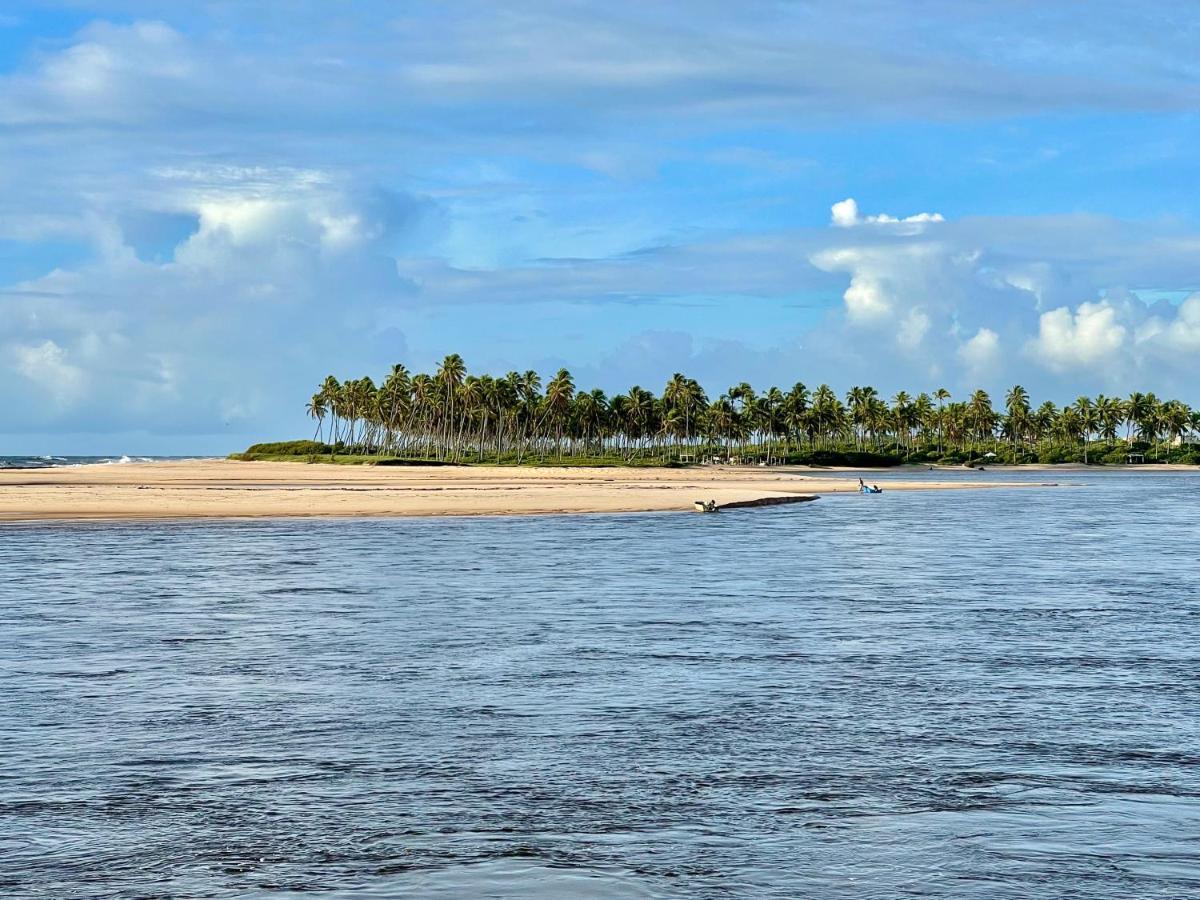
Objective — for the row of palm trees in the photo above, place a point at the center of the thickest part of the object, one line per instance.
(455, 416)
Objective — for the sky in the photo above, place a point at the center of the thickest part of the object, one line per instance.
(207, 207)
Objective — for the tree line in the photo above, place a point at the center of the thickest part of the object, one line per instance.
(451, 415)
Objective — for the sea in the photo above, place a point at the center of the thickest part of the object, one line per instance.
(50, 462)
(981, 694)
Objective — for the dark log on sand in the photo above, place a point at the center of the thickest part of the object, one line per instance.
(769, 501)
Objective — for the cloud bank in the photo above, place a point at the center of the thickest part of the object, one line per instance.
(201, 215)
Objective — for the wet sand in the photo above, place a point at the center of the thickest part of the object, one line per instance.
(224, 488)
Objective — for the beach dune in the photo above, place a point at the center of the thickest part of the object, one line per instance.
(225, 488)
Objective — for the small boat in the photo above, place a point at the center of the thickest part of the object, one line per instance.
(705, 506)
(870, 489)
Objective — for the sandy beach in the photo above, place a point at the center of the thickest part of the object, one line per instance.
(224, 488)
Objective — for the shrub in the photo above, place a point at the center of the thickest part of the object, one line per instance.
(288, 448)
(1052, 455)
(860, 459)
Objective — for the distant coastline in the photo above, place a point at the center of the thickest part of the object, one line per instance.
(451, 416)
(324, 454)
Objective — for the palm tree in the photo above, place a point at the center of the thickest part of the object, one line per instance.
(859, 401)
(1136, 409)
(1045, 421)
(982, 416)
(795, 410)
(742, 396)
(450, 377)
(684, 396)
(1017, 403)
(1086, 412)
(639, 416)
(770, 418)
(591, 408)
(1109, 415)
(827, 414)
(1176, 420)
(1149, 422)
(957, 419)
(454, 414)
(1070, 428)
(316, 409)
(559, 394)
(924, 415)
(329, 393)
(941, 395)
(470, 403)
(720, 418)
(901, 418)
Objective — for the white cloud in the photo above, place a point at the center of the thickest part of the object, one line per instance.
(1179, 335)
(867, 297)
(913, 328)
(290, 265)
(569, 66)
(888, 280)
(1084, 339)
(845, 214)
(981, 353)
(288, 277)
(284, 273)
(47, 365)
(996, 295)
(966, 304)
(113, 73)
(279, 224)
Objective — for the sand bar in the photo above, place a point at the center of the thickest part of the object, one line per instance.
(223, 488)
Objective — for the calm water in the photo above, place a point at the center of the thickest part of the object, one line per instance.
(981, 694)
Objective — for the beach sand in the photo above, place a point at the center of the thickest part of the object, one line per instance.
(224, 488)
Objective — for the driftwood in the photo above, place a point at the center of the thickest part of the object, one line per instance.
(711, 505)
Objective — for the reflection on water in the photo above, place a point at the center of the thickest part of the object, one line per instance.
(980, 694)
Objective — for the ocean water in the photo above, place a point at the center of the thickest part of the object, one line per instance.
(970, 694)
(50, 462)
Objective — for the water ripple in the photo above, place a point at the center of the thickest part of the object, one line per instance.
(970, 695)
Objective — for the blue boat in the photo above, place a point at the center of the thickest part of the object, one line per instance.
(870, 489)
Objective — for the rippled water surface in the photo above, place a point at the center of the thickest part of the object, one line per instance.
(979, 694)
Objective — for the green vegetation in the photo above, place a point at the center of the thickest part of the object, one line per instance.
(288, 449)
(451, 417)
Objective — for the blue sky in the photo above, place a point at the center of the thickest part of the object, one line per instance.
(205, 208)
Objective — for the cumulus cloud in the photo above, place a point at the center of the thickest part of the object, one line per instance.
(889, 281)
(979, 293)
(1089, 336)
(283, 272)
(845, 214)
(204, 221)
(289, 274)
(981, 353)
(1174, 335)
